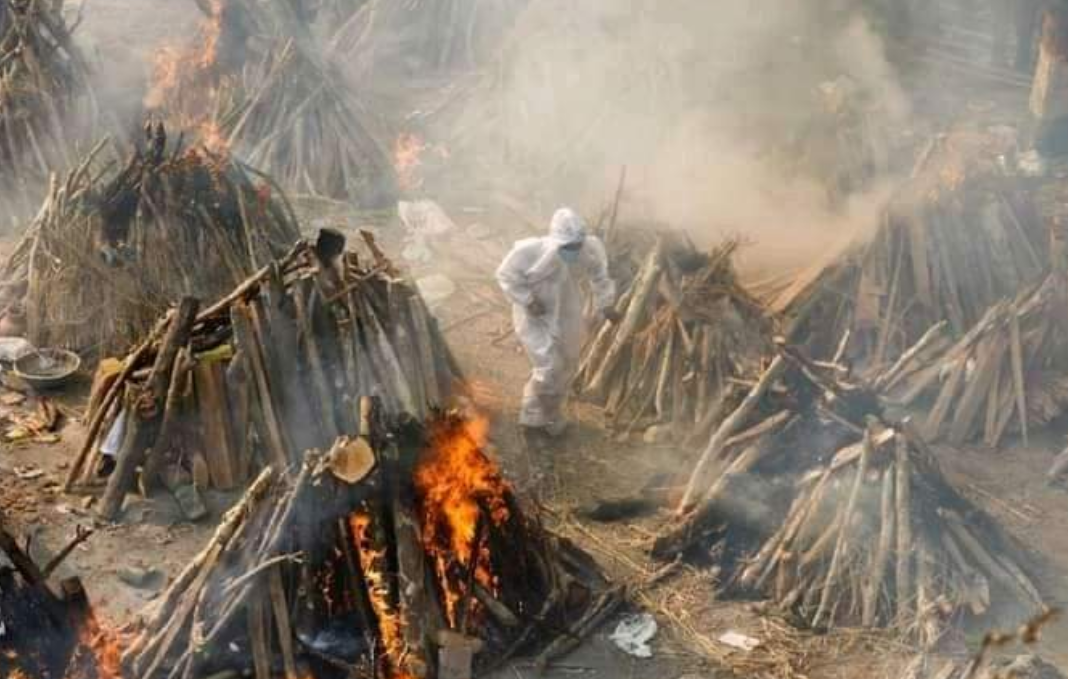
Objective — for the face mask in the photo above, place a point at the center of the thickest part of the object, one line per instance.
(569, 256)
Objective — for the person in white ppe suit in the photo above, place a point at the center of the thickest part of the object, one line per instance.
(540, 276)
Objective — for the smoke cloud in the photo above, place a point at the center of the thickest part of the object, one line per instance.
(723, 113)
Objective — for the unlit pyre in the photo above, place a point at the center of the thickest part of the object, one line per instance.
(835, 510)
(109, 251)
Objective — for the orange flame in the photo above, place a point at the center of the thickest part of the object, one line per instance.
(187, 83)
(98, 654)
(390, 625)
(408, 150)
(459, 487)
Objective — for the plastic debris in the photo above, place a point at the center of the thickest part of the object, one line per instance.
(633, 634)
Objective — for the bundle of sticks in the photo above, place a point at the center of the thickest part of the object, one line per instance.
(859, 525)
(273, 369)
(45, 99)
(422, 554)
(689, 332)
(50, 629)
(109, 251)
(1007, 373)
(959, 236)
(255, 83)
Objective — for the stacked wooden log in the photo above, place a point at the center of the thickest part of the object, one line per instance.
(256, 84)
(1007, 373)
(108, 252)
(688, 333)
(45, 100)
(296, 118)
(328, 574)
(273, 369)
(841, 515)
(49, 628)
(958, 237)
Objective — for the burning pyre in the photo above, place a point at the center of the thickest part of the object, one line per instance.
(49, 630)
(369, 572)
(254, 84)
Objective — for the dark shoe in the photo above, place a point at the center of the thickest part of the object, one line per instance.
(106, 466)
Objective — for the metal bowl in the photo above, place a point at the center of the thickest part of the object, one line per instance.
(47, 368)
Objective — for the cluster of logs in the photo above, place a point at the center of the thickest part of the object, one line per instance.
(347, 570)
(689, 333)
(109, 251)
(958, 237)
(1007, 373)
(43, 90)
(861, 528)
(48, 629)
(273, 369)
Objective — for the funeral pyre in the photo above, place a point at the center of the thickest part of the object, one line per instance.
(688, 335)
(255, 83)
(274, 368)
(831, 508)
(45, 100)
(418, 554)
(959, 236)
(109, 251)
(48, 628)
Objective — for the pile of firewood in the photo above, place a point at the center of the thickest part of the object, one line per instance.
(109, 251)
(398, 566)
(958, 237)
(295, 118)
(275, 368)
(832, 510)
(1009, 372)
(45, 99)
(689, 333)
(421, 38)
(255, 84)
(49, 628)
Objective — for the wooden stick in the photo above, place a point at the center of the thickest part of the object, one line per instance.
(891, 376)
(636, 311)
(903, 497)
(113, 392)
(281, 618)
(168, 601)
(843, 532)
(874, 582)
(1018, 373)
(145, 409)
(698, 480)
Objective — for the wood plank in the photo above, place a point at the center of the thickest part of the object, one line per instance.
(213, 407)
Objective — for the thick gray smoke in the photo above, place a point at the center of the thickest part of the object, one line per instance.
(723, 112)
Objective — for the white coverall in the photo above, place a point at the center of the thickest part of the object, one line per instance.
(534, 270)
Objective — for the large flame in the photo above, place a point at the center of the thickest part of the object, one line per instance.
(187, 83)
(459, 490)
